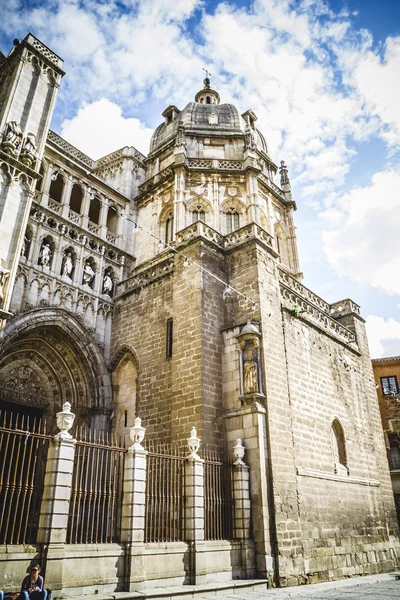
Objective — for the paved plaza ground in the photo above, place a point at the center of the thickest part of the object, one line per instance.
(380, 587)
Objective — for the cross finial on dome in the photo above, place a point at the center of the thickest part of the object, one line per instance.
(207, 81)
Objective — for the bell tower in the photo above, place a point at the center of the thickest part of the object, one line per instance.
(29, 80)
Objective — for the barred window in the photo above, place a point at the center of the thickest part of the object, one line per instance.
(395, 456)
(389, 385)
(198, 215)
(232, 221)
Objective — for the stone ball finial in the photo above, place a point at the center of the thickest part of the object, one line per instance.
(207, 83)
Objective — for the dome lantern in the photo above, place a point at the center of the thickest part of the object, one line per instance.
(207, 95)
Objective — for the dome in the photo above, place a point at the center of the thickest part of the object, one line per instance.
(250, 328)
(206, 113)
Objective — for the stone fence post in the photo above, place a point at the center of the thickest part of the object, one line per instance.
(194, 510)
(54, 510)
(133, 508)
(241, 510)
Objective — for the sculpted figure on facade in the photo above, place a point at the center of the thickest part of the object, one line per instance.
(88, 274)
(13, 138)
(67, 265)
(45, 255)
(250, 374)
(4, 275)
(107, 284)
(28, 152)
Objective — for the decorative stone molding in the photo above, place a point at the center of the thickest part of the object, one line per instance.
(247, 233)
(193, 443)
(147, 276)
(137, 435)
(66, 148)
(318, 318)
(163, 175)
(271, 186)
(238, 453)
(336, 477)
(344, 307)
(199, 229)
(65, 420)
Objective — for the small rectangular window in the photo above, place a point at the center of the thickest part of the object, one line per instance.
(168, 352)
(126, 418)
(389, 385)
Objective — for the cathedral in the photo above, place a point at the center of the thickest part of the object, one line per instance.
(168, 287)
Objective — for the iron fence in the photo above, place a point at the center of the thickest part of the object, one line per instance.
(23, 454)
(217, 498)
(96, 494)
(164, 495)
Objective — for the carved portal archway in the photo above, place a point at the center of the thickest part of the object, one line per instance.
(47, 357)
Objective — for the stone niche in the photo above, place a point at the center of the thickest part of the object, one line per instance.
(251, 384)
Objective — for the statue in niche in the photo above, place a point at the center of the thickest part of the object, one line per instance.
(12, 138)
(107, 284)
(250, 374)
(45, 255)
(25, 246)
(88, 274)
(67, 265)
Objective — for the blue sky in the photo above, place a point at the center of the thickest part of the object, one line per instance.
(322, 77)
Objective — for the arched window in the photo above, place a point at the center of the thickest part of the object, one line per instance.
(208, 100)
(395, 455)
(232, 221)
(198, 215)
(339, 447)
(56, 187)
(169, 228)
(75, 201)
(112, 219)
(94, 211)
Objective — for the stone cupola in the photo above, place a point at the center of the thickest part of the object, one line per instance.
(207, 95)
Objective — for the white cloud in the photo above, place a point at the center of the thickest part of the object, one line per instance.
(383, 336)
(363, 242)
(100, 128)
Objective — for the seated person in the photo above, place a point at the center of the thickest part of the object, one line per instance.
(32, 585)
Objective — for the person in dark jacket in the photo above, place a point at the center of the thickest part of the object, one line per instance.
(32, 585)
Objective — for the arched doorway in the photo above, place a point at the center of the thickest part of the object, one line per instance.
(47, 358)
(125, 374)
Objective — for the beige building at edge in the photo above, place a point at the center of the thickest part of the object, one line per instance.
(168, 287)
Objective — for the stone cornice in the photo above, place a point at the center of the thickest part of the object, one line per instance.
(335, 477)
(313, 310)
(150, 272)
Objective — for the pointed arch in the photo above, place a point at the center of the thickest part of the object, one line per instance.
(125, 384)
(338, 447)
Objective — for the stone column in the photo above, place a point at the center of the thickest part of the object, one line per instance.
(194, 511)
(66, 196)
(53, 520)
(241, 511)
(133, 509)
(102, 232)
(85, 208)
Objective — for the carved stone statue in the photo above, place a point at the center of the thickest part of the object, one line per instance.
(25, 246)
(88, 274)
(45, 255)
(250, 379)
(107, 284)
(28, 152)
(12, 138)
(4, 274)
(67, 265)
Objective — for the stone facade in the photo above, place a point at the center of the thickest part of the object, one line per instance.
(387, 378)
(168, 286)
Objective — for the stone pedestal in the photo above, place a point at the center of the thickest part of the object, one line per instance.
(194, 518)
(248, 423)
(53, 521)
(133, 516)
